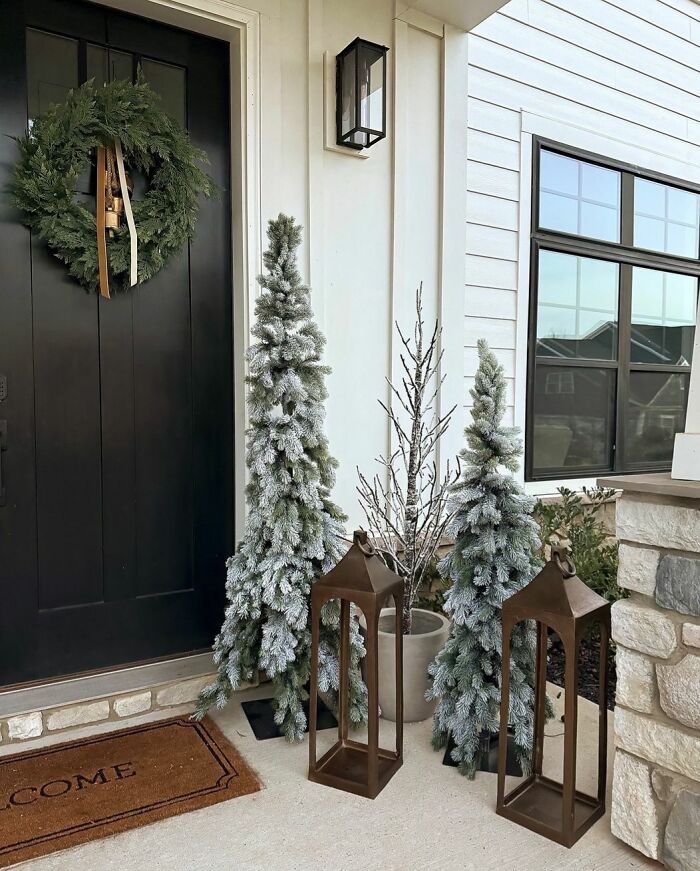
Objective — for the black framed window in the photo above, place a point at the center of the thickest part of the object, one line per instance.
(613, 300)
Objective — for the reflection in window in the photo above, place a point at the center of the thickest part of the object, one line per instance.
(573, 418)
(577, 307)
(559, 382)
(52, 70)
(655, 413)
(663, 317)
(579, 197)
(666, 218)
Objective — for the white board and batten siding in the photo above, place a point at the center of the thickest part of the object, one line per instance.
(620, 78)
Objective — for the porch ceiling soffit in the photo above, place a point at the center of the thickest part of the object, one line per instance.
(464, 14)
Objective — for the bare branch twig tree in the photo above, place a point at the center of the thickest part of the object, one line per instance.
(405, 503)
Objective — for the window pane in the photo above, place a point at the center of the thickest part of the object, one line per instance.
(107, 65)
(559, 173)
(666, 218)
(577, 307)
(663, 317)
(579, 197)
(558, 212)
(52, 70)
(654, 414)
(599, 222)
(682, 206)
(573, 419)
(600, 185)
(168, 81)
(649, 233)
(682, 240)
(649, 198)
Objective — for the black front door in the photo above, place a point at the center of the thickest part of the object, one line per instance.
(115, 415)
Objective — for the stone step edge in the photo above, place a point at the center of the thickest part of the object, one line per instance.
(110, 708)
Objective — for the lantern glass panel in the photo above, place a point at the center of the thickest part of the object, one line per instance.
(372, 89)
(348, 83)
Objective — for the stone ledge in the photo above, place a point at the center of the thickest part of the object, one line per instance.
(109, 710)
(661, 484)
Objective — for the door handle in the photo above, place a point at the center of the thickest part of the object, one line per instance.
(3, 448)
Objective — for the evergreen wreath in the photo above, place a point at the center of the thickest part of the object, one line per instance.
(57, 150)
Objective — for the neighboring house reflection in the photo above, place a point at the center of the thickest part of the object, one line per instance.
(575, 406)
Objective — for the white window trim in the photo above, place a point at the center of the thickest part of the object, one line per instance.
(532, 125)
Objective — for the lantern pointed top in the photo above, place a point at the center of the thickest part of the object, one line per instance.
(557, 591)
(361, 570)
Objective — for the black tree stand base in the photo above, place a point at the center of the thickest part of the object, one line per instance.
(489, 755)
(261, 716)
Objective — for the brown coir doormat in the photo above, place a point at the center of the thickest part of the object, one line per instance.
(64, 795)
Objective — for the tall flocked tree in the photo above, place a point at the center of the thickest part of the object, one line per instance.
(496, 541)
(293, 530)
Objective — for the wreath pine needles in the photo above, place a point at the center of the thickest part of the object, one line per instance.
(57, 151)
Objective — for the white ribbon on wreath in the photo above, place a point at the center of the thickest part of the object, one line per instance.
(133, 239)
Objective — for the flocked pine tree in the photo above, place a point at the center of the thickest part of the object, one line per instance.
(496, 540)
(293, 531)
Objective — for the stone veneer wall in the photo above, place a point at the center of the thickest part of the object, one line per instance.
(33, 724)
(656, 781)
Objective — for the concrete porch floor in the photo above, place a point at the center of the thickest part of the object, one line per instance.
(428, 816)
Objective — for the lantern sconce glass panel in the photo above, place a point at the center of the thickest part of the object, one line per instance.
(361, 94)
(557, 598)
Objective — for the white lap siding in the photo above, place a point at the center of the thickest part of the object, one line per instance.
(622, 74)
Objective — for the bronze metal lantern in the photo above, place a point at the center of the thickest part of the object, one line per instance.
(362, 578)
(557, 599)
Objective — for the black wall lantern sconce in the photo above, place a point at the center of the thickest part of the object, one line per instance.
(361, 94)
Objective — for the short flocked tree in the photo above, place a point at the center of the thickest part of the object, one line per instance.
(293, 530)
(495, 554)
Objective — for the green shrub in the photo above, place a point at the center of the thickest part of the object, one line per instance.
(576, 518)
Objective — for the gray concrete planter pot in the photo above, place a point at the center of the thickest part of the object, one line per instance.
(428, 636)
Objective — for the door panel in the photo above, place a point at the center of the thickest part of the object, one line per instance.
(119, 461)
(67, 436)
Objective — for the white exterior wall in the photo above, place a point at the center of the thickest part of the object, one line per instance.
(620, 78)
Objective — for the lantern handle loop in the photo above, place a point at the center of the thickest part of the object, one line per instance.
(362, 541)
(562, 557)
